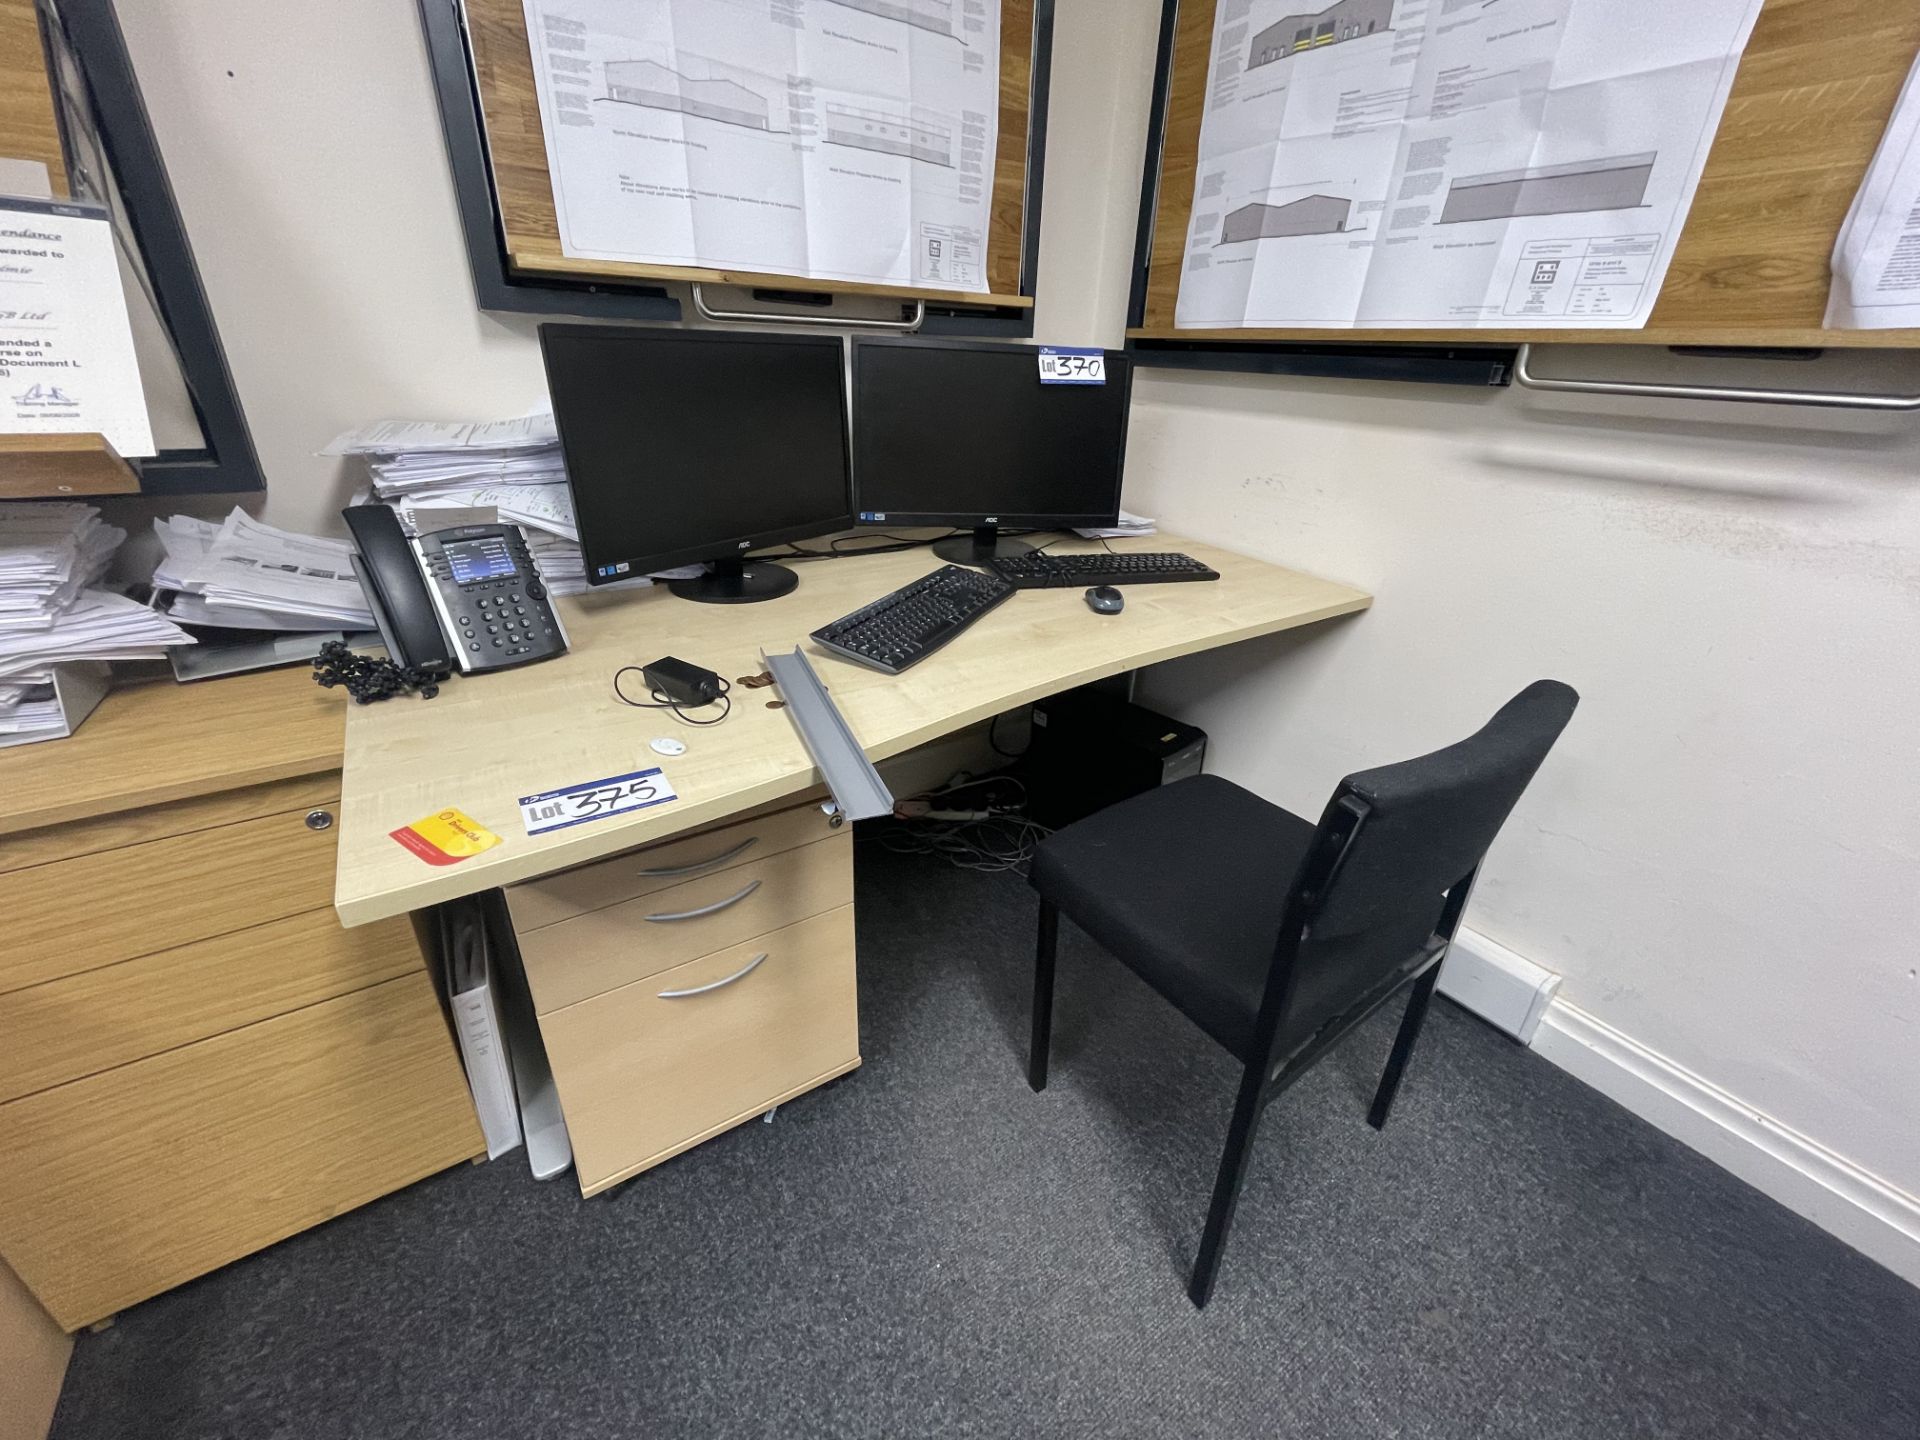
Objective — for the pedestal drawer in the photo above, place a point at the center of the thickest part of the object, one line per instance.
(93, 910)
(132, 1181)
(553, 898)
(619, 944)
(658, 1066)
(83, 1024)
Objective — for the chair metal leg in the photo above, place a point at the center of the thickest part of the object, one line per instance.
(1226, 1185)
(1042, 1040)
(1403, 1043)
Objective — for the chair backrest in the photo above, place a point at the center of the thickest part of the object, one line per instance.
(1430, 820)
(1394, 840)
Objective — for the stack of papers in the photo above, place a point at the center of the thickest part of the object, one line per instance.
(99, 625)
(248, 576)
(545, 509)
(49, 552)
(52, 556)
(29, 706)
(1128, 524)
(439, 474)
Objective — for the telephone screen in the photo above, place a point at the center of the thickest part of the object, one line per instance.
(476, 560)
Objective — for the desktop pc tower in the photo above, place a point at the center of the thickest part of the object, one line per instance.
(1091, 748)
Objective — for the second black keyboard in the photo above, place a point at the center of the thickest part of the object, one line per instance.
(1036, 570)
(905, 627)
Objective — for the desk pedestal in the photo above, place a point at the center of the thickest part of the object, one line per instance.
(689, 986)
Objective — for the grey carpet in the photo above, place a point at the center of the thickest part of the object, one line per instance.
(927, 1248)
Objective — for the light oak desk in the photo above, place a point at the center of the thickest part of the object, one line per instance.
(644, 1072)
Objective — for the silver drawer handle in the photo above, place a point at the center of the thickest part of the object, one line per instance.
(752, 965)
(705, 909)
(700, 865)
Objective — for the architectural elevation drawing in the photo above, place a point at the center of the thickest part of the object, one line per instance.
(642, 82)
(842, 140)
(1313, 215)
(934, 15)
(889, 134)
(1444, 119)
(1618, 182)
(1347, 20)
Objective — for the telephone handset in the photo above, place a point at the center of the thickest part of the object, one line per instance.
(467, 597)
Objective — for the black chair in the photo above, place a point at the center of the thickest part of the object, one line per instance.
(1187, 885)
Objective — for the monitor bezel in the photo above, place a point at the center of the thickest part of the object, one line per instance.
(980, 518)
(733, 547)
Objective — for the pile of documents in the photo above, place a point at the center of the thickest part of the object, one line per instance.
(444, 474)
(99, 625)
(52, 610)
(49, 552)
(1127, 524)
(29, 707)
(248, 576)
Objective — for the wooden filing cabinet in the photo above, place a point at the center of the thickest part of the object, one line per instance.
(689, 986)
(196, 1060)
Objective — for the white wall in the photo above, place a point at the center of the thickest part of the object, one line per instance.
(306, 157)
(1721, 857)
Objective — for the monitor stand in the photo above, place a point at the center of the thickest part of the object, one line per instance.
(736, 582)
(984, 544)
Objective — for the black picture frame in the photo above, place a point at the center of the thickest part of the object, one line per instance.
(89, 33)
(1477, 365)
(497, 286)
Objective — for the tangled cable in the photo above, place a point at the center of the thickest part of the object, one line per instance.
(367, 679)
(986, 833)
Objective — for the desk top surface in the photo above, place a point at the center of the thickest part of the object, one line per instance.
(485, 742)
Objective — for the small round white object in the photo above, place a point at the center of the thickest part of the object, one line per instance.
(667, 745)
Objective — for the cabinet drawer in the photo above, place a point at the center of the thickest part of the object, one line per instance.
(77, 915)
(133, 1181)
(83, 1024)
(553, 898)
(607, 948)
(122, 828)
(643, 1077)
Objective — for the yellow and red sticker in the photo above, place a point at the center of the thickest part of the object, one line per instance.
(446, 837)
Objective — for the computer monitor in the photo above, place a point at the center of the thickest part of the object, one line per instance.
(965, 433)
(693, 446)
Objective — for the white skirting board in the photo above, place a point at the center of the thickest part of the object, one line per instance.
(1879, 1220)
(1506, 990)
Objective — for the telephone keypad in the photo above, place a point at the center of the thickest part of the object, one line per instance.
(504, 619)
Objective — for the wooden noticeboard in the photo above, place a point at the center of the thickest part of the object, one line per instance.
(503, 76)
(29, 129)
(1812, 96)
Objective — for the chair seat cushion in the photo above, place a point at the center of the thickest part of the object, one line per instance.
(1185, 884)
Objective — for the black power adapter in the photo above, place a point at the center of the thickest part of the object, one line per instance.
(681, 683)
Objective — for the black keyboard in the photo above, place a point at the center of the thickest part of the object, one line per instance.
(1037, 570)
(905, 627)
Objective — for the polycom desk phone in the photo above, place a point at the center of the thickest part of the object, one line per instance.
(466, 598)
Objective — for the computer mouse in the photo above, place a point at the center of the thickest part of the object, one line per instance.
(1105, 600)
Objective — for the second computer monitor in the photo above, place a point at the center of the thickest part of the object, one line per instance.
(968, 434)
